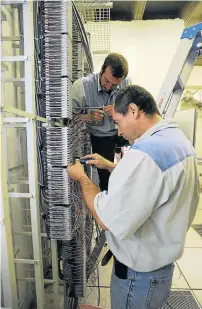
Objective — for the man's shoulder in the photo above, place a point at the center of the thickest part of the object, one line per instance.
(92, 78)
(126, 82)
(80, 83)
(165, 149)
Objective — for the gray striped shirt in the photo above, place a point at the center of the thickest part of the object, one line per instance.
(87, 92)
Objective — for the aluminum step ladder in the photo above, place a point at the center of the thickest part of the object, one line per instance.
(189, 50)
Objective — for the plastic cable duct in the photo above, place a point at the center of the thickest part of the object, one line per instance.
(58, 70)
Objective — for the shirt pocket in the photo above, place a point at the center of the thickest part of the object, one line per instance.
(159, 292)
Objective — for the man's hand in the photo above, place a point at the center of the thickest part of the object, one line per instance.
(108, 109)
(76, 171)
(97, 115)
(98, 161)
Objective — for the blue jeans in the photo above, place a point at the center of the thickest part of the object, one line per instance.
(141, 290)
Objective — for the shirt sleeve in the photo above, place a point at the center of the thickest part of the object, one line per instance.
(136, 187)
(129, 81)
(126, 82)
(78, 97)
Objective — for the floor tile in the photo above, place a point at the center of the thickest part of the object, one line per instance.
(191, 266)
(179, 281)
(198, 217)
(198, 228)
(181, 300)
(92, 297)
(193, 239)
(200, 202)
(105, 274)
(198, 295)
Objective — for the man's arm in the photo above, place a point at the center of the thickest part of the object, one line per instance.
(79, 102)
(90, 190)
(85, 118)
(78, 97)
(100, 162)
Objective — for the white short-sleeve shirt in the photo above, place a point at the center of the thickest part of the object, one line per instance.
(152, 199)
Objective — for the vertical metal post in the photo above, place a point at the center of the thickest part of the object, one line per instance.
(55, 272)
(9, 286)
(28, 24)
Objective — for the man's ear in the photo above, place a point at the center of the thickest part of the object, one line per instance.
(102, 70)
(133, 109)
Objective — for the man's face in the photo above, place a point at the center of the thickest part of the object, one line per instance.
(127, 125)
(108, 81)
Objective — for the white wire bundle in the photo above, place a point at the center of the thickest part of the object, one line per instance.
(58, 54)
(58, 186)
(60, 222)
(77, 53)
(58, 146)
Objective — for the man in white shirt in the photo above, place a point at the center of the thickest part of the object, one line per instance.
(151, 201)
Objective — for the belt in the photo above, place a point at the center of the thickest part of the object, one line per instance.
(120, 269)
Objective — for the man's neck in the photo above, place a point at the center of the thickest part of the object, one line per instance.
(148, 123)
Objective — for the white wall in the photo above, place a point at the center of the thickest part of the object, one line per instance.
(149, 47)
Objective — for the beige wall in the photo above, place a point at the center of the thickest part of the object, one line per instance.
(149, 47)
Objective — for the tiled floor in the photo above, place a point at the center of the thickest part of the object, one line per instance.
(187, 274)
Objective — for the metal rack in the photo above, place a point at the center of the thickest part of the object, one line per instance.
(96, 15)
(22, 114)
(22, 118)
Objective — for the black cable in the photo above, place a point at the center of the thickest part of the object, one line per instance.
(75, 303)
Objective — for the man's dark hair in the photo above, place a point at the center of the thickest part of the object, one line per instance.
(118, 65)
(137, 95)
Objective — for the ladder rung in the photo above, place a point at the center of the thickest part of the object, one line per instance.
(14, 58)
(15, 120)
(12, 80)
(25, 261)
(10, 38)
(14, 2)
(20, 195)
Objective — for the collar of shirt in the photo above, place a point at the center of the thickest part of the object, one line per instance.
(99, 88)
(163, 124)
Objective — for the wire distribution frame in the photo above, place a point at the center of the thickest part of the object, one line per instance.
(26, 119)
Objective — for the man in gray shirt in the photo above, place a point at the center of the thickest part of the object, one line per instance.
(99, 91)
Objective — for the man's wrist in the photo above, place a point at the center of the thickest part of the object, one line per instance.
(86, 118)
(83, 178)
(111, 166)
